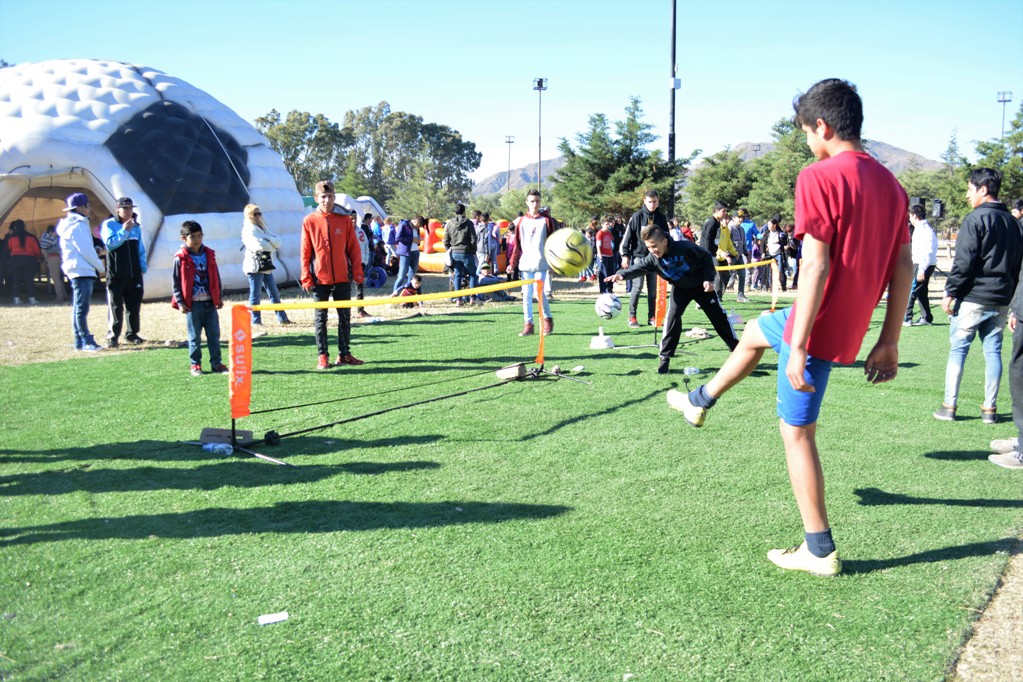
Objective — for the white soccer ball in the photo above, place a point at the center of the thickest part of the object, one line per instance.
(607, 306)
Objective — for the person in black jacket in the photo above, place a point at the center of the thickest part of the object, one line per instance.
(710, 237)
(634, 249)
(690, 270)
(979, 288)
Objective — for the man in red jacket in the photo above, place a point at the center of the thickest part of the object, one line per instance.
(329, 247)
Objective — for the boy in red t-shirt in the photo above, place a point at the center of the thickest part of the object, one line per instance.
(851, 215)
(606, 256)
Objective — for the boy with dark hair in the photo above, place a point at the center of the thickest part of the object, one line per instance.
(852, 215)
(690, 270)
(528, 258)
(925, 259)
(331, 259)
(198, 295)
(634, 249)
(979, 289)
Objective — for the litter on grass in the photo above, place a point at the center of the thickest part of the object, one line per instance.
(273, 618)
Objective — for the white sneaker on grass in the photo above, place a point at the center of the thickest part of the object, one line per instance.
(1004, 445)
(1009, 460)
(800, 559)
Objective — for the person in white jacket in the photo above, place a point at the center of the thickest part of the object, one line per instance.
(82, 266)
(924, 246)
(260, 245)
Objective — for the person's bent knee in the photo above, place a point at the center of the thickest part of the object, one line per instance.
(753, 337)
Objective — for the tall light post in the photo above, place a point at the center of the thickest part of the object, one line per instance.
(675, 85)
(510, 140)
(1004, 97)
(539, 84)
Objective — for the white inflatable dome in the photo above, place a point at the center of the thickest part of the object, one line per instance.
(110, 129)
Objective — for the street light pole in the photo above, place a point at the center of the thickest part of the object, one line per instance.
(675, 85)
(510, 139)
(539, 84)
(1004, 96)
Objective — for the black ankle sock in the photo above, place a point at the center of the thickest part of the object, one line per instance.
(701, 398)
(820, 544)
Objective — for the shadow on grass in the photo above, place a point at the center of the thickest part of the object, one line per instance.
(164, 451)
(283, 517)
(575, 419)
(875, 497)
(225, 474)
(958, 455)
(1009, 546)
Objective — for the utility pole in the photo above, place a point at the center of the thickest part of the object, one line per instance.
(510, 139)
(675, 85)
(1004, 97)
(539, 84)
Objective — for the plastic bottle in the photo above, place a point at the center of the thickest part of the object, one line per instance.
(218, 448)
(690, 371)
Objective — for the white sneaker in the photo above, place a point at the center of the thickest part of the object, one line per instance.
(1004, 445)
(678, 400)
(1009, 460)
(799, 558)
(742, 299)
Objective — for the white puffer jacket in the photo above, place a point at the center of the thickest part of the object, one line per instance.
(257, 238)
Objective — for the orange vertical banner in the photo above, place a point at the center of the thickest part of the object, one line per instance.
(240, 386)
(661, 310)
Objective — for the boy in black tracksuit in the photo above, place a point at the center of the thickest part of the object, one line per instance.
(690, 269)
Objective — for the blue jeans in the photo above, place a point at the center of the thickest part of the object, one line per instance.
(257, 281)
(81, 293)
(203, 317)
(463, 265)
(407, 266)
(527, 294)
(989, 322)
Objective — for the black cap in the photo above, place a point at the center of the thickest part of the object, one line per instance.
(125, 202)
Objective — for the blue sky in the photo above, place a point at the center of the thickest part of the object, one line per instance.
(924, 68)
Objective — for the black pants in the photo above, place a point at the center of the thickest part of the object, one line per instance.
(360, 287)
(124, 294)
(339, 292)
(650, 280)
(721, 279)
(919, 293)
(679, 300)
(1016, 378)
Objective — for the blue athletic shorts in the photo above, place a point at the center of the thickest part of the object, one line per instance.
(795, 408)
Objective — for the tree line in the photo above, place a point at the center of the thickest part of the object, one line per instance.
(417, 168)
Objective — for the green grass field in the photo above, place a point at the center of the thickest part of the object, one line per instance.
(542, 530)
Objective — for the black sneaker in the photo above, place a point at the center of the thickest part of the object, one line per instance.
(662, 366)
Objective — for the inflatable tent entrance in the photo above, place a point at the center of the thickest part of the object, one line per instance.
(110, 129)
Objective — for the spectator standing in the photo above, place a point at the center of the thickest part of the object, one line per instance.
(528, 258)
(460, 245)
(407, 249)
(331, 258)
(50, 244)
(979, 288)
(634, 249)
(260, 245)
(198, 294)
(82, 266)
(925, 258)
(126, 264)
(23, 260)
(367, 247)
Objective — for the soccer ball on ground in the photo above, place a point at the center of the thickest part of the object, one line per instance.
(568, 252)
(607, 306)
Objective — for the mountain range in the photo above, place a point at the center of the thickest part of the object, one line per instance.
(893, 158)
